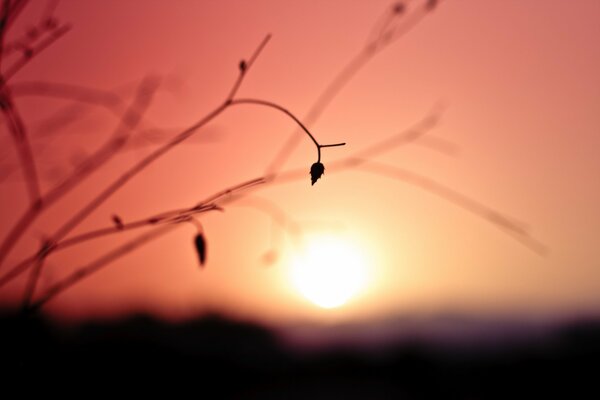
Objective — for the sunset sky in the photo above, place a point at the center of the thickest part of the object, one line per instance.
(515, 86)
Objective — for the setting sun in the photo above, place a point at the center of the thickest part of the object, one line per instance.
(329, 272)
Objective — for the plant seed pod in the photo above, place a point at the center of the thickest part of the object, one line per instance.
(200, 244)
(316, 171)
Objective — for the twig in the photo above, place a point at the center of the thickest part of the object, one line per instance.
(164, 217)
(357, 159)
(107, 99)
(25, 58)
(118, 139)
(98, 264)
(19, 134)
(4, 15)
(245, 66)
(131, 118)
(288, 113)
(508, 225)
(156, 154)
(347, 73)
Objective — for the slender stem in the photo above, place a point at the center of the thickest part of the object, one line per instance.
(96, 265)
(24, 60)
(20, 137)
(280, 108)
(31, 215)
(246, 67)
(164, 217)
(130, 119)
(344, 76)
(3, 26)
(32, 282)
(132, 172)
(288, 113)
(17, 231)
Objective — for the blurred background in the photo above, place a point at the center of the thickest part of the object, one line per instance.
(472, 235)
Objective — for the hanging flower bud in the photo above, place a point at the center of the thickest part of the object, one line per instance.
(399, 8)
(118, 221)
(316, 171)
(430, 5)
(200, 248)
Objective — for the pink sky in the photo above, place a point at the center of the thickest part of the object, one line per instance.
(521, 93)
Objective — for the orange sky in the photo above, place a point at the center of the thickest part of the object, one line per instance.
(520, 92)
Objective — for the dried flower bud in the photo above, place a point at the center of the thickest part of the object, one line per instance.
(316, 171)
(118, 221)
(200, 248)
(399, 8)
(431, 4)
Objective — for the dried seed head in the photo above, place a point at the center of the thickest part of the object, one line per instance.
(118, 221)
(200, 244)
(430, 5)
(316, 171)
(399, 8)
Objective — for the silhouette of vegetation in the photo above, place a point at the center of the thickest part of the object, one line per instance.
(15, 54)
(237, 359)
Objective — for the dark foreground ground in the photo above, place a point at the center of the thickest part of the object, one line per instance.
(218, 358)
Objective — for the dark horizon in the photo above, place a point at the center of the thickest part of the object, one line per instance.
(256, 362)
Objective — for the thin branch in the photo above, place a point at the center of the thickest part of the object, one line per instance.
(98, 264)
(131, 118)
(32, 282)
(20, 137)
(4, 15)
(16, 9)
(413, 134)
(25, 58)
(118, 139)
(245, 66)
(501, 221)
(341, 80)
(279, 219)
(234, 193)
(142, 164)
(164, 217)
(107, 99)
(288, 113)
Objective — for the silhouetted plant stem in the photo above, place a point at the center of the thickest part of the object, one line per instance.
(141, 165)
(32, 283)
(245, 66)
(347, 73)
(19, 135)
(4, 14)
(292, 116)
(129, 121)
(99, 263)
(17, 231)
(43, 45)
(16, 125)
(357, 159)
(393, 26)
(497, 219)
(164, 217)
(107, 99)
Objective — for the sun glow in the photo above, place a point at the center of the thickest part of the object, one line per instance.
(329, 272)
